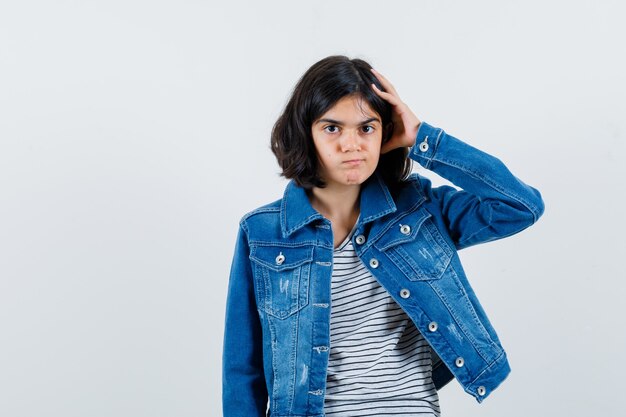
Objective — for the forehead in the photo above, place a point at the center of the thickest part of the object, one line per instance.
(351, 107)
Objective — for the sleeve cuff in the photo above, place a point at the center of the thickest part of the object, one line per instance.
(426, 144)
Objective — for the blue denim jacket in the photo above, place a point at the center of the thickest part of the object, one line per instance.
(276, 339)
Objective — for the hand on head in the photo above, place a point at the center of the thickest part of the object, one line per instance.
(405, 122)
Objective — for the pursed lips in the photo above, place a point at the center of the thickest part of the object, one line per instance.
(353, 161)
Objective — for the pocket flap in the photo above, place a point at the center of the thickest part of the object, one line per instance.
(397, 235)
(281, 258)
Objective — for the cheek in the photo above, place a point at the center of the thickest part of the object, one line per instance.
(374, 163)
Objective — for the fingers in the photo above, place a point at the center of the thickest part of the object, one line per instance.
(390, 95)
(393, 100)
(385, 82)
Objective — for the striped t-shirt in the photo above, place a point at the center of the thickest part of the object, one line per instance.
(379, 362)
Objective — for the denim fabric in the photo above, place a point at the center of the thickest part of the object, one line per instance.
(276, 339)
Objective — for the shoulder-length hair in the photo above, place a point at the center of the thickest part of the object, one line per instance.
(320, 88)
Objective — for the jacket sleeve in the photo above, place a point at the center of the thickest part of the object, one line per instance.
(492, 202)
(244, 392)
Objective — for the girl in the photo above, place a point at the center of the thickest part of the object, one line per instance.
(347, 296)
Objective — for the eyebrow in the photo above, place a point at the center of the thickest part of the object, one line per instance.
(337, 122)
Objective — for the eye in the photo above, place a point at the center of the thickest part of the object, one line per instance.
(331, 129)
(367, 129)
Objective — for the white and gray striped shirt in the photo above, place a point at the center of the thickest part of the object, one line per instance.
(379, 362)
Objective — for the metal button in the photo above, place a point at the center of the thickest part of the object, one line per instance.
(424, 145)
(433, 326)
(404, 293)
(360, 239)
(405, 229)
(459, 362)
(481, 391)
(280, 259)
(374, 263)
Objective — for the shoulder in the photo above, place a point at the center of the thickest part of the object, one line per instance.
(268, 208)
(417, 190)
(420, 182)
(422, 185)
(263, 216)
(414, 187)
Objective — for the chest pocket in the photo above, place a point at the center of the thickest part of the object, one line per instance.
(282, 278)
(416, 247)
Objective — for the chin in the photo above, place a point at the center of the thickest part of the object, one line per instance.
(357, 180)
(352, 178)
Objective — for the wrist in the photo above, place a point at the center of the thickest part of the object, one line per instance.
(413, 134)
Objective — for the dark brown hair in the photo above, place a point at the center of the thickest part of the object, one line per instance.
(319, 89)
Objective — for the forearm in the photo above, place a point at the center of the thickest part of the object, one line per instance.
(492, 204)
(244, 393)
(472, 170)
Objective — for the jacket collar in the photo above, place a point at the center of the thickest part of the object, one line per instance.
(296, 210)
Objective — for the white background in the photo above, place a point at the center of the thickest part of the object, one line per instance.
(135, 134)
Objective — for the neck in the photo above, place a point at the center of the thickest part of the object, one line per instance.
(337, 203)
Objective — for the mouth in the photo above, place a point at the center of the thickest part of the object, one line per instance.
(353, 162)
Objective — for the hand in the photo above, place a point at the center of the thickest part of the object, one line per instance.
(405, 122)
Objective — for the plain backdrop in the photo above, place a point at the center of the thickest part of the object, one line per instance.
(135, 134)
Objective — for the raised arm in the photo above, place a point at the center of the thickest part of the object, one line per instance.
(492, 202)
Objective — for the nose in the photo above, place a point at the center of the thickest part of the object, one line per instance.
(350, 142)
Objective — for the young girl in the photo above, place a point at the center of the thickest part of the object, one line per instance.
(347, 296)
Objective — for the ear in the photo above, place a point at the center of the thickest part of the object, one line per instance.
(387, 132)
